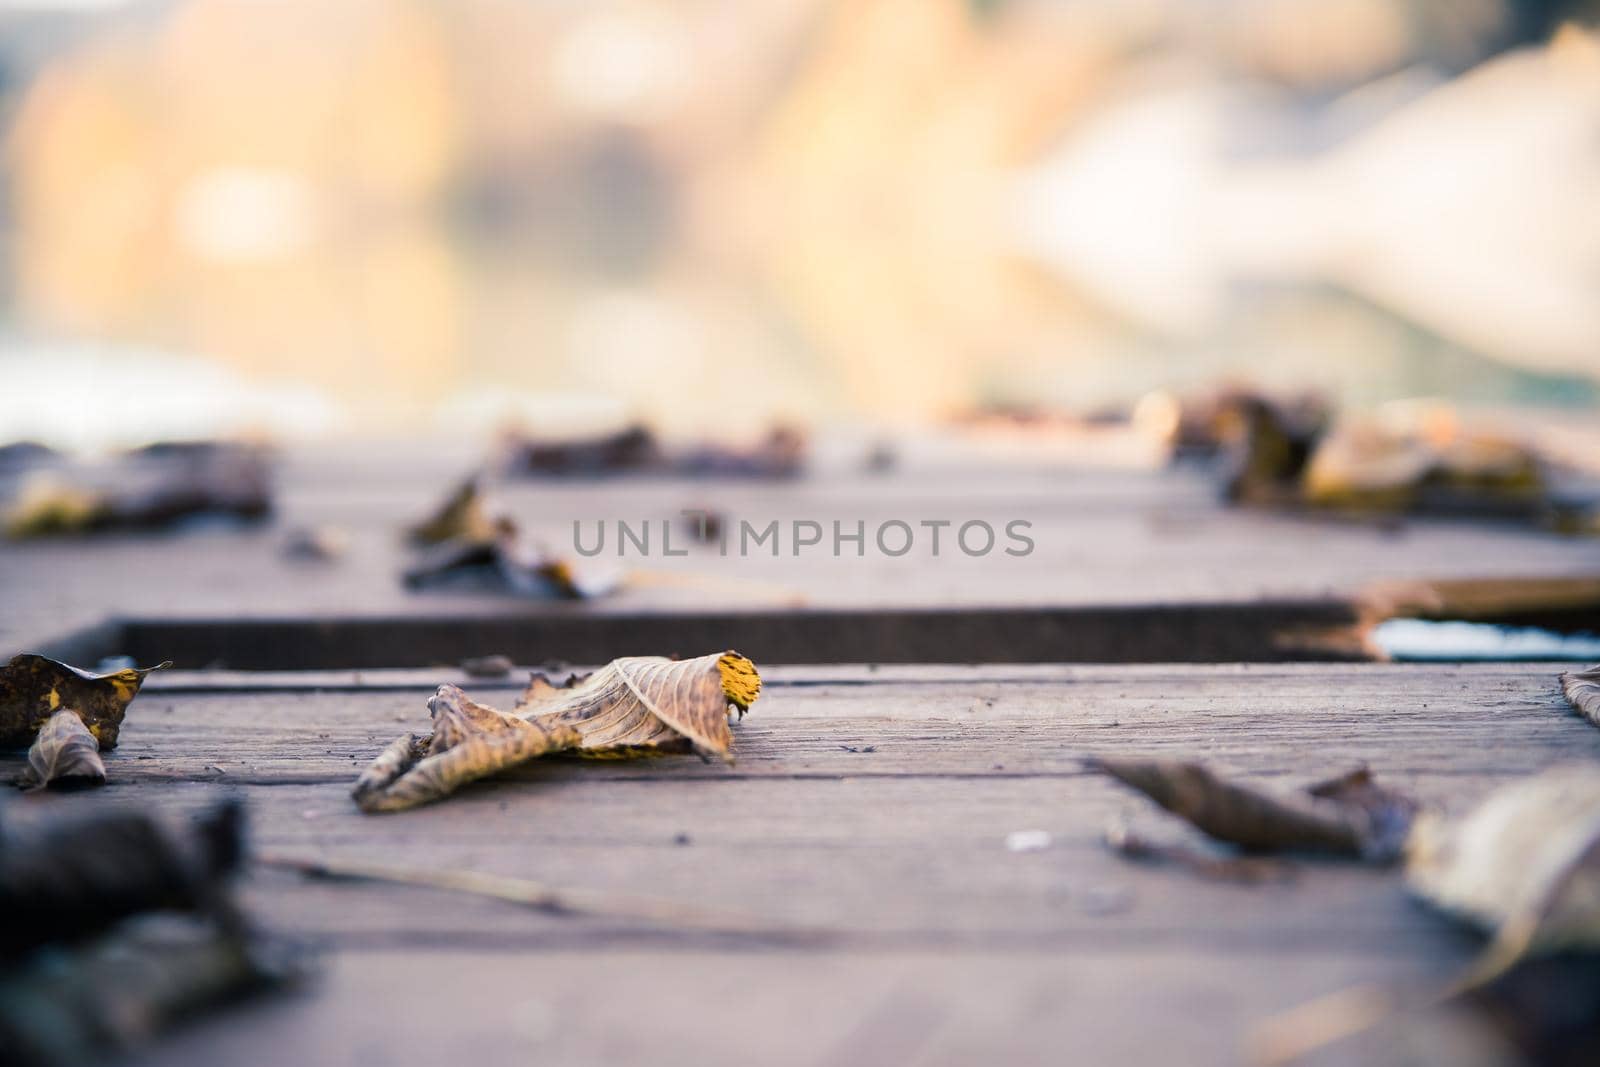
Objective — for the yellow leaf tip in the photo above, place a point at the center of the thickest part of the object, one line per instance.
(741, 683)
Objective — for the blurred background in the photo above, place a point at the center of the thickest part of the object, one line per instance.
(403, 217)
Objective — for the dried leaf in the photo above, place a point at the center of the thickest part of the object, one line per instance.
(632, 706)
(33, 688)
(1266, 444)
(504, 563)
(461, 517)
(1582, 690)
(150, 488)
(631, 449)
(1525, 865)
(779, 454)
(1436, 467)
(1349, 816)
(645, 702)
(64, 752)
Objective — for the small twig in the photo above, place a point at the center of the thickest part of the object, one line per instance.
(539, 896)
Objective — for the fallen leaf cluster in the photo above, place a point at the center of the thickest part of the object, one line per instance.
(67, 716)
(1404, 459)
(152, 488)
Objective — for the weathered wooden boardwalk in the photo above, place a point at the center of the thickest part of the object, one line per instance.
(858, 847)
(858, 851)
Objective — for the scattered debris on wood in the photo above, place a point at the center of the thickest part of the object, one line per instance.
(633, 706)
(316, 544)
(1350, 815)
(33, 688)
(153, 488)
(705, 526)
(780, 454)
(487, 666)
(630, 449)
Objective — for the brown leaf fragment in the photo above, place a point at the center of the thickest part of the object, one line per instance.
(469, 741)
(1582, 690)
(461, 516)
(1347, 816)
(33, 688)
(64, 753)
(779, 454)
(632, 706)
(630, 449)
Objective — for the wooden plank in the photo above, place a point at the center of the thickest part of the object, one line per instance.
(1451, 721)
(805, 1010)
(873, 892)
(1103, 540)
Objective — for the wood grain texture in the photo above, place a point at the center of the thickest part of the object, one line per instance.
(868, 806)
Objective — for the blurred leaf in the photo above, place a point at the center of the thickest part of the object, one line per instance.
(461, 516)
(117, 924)
(1348, 816)
(33, 688)
(503, 562)
(65, 879)
(151, 488)
(1524, 865)
(65, 751)
(1374, 468)
(779, 454)
(632, 706)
